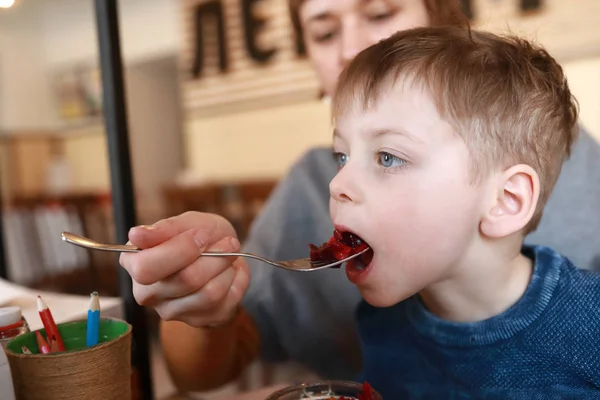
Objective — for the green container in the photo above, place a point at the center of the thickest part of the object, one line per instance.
(73, 335)
(102, 371)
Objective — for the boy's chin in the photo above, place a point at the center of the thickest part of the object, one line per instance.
(378, 298)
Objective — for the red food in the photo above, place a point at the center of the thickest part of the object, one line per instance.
(340, 246)
(367, 394)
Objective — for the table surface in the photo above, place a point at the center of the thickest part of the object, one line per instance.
(64, 307)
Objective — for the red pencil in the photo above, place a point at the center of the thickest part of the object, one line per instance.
(49, 325)
(42, 344)
(53, 344)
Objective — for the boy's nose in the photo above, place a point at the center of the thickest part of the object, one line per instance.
(340, 190)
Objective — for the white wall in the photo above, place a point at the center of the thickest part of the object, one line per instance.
(25, 96)
(86, 153)
(252, 144)
(38, 37)
(149, 28)
(584, 81)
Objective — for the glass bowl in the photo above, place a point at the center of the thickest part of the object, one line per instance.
(321, 391)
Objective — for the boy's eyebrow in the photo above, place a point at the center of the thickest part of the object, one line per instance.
(385, 131)
(401, 132)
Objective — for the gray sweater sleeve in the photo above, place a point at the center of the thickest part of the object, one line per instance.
(571, 220)
(296, 214)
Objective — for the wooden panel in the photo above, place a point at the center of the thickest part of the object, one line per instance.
(6, 166)
(30, 156)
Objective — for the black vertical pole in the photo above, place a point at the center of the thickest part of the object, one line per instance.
(115, 116)
(3, 256)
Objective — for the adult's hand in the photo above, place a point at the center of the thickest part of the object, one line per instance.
(170, 275)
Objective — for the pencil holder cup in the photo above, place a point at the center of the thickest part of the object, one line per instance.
(98, 372)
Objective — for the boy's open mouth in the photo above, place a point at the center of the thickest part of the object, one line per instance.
(343, 244)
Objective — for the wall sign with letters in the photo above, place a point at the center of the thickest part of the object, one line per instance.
(241, 53)
(253, 27)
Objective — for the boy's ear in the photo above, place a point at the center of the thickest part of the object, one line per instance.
(517, 194)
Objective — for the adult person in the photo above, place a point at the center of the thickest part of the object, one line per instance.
(307, 317)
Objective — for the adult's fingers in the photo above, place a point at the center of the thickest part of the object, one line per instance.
(176, 254)
(190, 278)
(212, 227)
(187, 311)
(204, 301)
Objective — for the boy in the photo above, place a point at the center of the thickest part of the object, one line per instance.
(449, 142)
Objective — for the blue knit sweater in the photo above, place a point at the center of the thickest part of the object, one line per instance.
(546, 346)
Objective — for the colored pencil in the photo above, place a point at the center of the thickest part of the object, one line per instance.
(93, 320)
(49, 324)
(42, 344)
(53, 344)
(25, 350)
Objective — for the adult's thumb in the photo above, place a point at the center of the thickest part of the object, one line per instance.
(213, 226)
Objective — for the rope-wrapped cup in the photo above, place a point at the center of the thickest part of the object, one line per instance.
(98, 372)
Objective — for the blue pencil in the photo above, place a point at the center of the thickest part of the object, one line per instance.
(93, 321)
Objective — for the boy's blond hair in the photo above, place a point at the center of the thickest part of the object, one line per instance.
(508, 99)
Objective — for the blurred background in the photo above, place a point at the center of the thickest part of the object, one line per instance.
(217, 113)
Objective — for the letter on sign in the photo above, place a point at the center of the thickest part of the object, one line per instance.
(209, 9)
(252, 27)
(531, 5)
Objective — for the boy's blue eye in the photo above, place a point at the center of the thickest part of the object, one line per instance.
(388, 160)
(340, 159)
